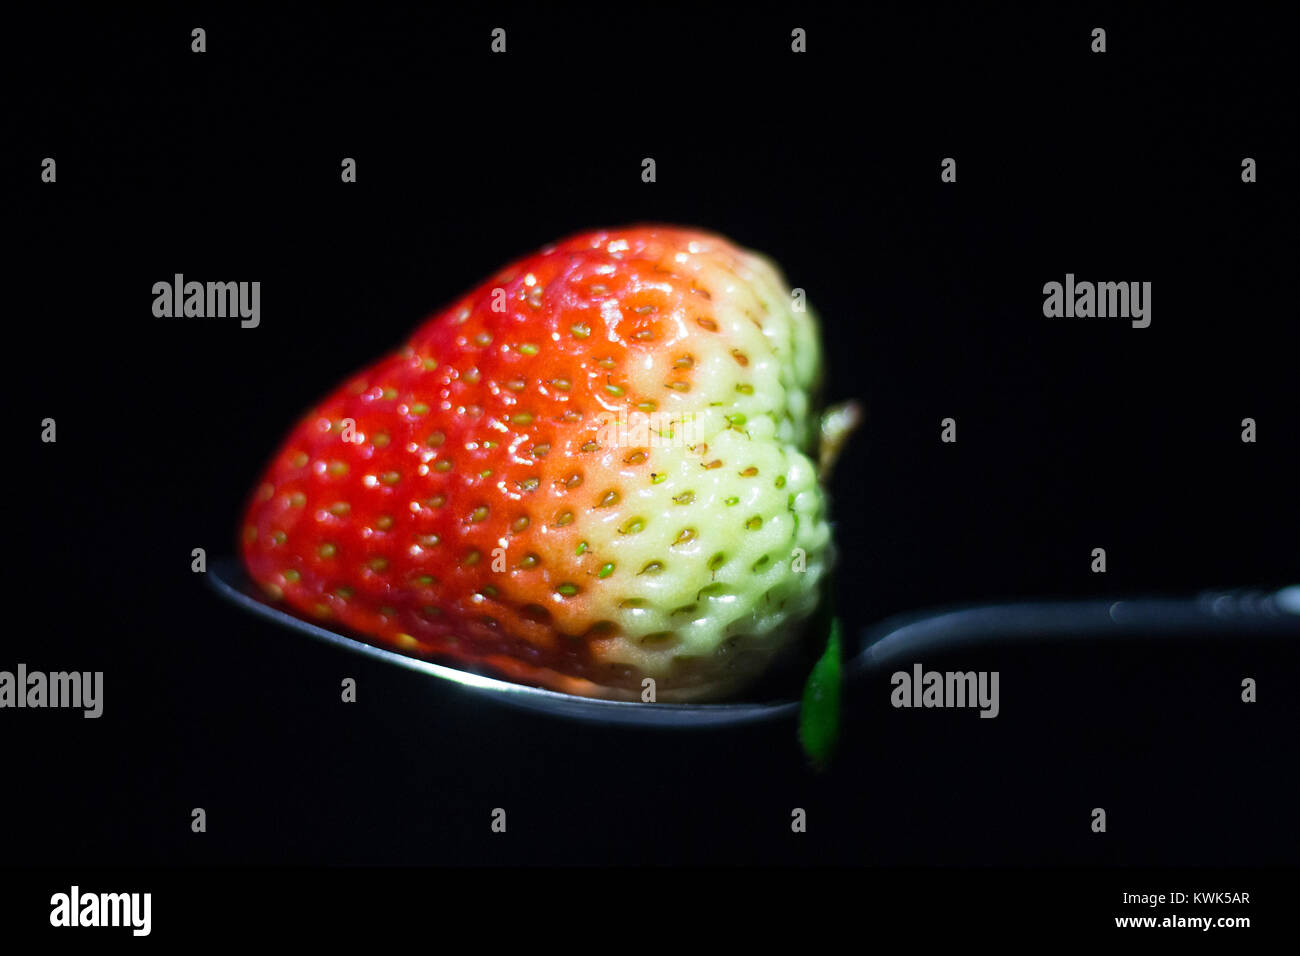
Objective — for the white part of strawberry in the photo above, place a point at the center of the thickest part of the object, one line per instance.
(718, 562)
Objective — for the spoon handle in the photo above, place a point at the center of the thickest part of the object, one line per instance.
(1241, 612)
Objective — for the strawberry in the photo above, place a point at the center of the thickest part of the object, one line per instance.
(592, 469)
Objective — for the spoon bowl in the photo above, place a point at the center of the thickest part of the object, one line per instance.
(228, 578)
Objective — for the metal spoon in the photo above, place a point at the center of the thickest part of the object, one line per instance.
(897, 640)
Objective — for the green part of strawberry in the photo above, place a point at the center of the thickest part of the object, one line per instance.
(597, 467)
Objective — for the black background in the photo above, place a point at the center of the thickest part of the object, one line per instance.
(1072, 434)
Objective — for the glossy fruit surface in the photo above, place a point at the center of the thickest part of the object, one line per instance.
(594, 468)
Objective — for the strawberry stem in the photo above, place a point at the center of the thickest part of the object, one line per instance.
(837, 423)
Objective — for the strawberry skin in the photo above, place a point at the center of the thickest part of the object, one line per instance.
(594, 468)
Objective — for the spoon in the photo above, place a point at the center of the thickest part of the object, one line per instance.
(898, 640)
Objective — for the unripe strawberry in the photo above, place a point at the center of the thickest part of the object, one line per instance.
(596, 467)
